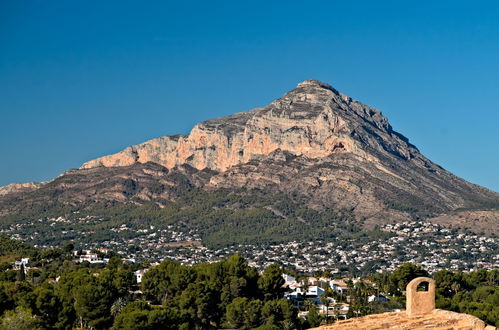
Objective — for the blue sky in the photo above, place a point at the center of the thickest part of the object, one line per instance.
(82, 79)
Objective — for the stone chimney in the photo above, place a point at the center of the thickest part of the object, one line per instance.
(422, 301)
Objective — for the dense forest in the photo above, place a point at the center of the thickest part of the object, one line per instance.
(58, 293)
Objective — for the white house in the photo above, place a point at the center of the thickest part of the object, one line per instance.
(92, 258)
(372, 298)
(139, 274)
(338, 286)
(288, 278)
(314, 291)
(24, 262)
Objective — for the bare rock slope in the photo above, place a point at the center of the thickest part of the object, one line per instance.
(313, 120)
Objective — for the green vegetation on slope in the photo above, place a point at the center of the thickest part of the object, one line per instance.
(12, 249)
(220, 217)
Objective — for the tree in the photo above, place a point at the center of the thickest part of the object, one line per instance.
(253, 314)
(65, 290)
(199, 301)
(271, 281)
(279, 312)
(6, 300)
(21, 275)
(135, 315)
(20, 318)
(166, 281)
(235, 313)
(92, 304)
(403, 275)
(314, 319)
(477, 278)
(23, 295)
(68, 247)
(140, 315)
(47, 304)
(449, 283)
(118, 306)
(493, 277)
(308, 303)
(358, 298)
(119, 280)
(244, 313)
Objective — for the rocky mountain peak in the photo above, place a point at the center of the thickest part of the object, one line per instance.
(315, 83)
(313, 92)
(313, 120)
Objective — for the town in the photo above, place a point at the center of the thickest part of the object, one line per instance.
(323, 281)
(430, 245)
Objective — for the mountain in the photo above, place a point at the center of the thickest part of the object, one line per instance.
(312, 121)
(312, 152)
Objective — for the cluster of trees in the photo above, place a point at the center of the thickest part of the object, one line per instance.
(228, 294)
(10, 249)
(394, 283)
(475, 293)
(61, 294)
(81, 295)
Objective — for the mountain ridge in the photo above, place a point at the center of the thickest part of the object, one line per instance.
(313, 108)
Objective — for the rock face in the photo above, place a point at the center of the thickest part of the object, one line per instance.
(314, 120)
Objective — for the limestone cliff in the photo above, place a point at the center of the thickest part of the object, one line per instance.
(314, 120)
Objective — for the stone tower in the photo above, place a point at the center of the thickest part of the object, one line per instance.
(422, 301)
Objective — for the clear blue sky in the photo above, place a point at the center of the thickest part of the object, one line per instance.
(82, 79)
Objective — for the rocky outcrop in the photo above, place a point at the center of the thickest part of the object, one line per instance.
(139, 184)
(314, 120)
(19, 187)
